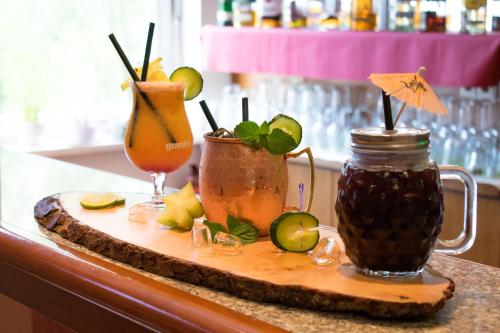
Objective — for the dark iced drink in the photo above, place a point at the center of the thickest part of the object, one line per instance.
(389, 220)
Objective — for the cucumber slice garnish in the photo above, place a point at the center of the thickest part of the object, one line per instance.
(288, 125)
(98, 200)
(295, 232)
(192, 80)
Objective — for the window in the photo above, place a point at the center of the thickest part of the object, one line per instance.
(57, 64)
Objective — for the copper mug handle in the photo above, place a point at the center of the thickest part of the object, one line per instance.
(311, 168)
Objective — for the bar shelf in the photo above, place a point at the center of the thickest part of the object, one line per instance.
(452, 60)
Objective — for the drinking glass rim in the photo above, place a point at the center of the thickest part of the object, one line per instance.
(208, 137)
(160, 84)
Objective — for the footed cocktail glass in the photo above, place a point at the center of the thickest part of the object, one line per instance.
(158, 138)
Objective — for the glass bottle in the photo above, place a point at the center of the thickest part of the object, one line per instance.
(268, 13)
(474, 16)
(292, 15)
(433, 14)
(495, 24)
(403, 16)
(331, 20)
(225, 13)
(390, 203)
(243, 14)
(363, 17)
(313, 10)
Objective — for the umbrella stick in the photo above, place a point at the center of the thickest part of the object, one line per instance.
(403, 107)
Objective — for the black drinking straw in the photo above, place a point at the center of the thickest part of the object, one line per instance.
(134, 76)
(244, 105)
(386, 99)
(122, 55)
(208, 115)
(144, 76)
(147, 53)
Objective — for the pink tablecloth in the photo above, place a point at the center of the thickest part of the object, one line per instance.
(451, 60)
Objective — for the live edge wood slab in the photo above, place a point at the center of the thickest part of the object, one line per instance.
(261, 273)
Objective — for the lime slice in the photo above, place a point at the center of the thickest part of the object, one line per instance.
(192, 80)
(288, 125)
(119, 201)
(99, 200)
(295, 232)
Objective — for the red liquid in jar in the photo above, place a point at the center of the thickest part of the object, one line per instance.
(389, 220)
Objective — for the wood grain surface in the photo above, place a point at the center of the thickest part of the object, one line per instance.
(260, 273)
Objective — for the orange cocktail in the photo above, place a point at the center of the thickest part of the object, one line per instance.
(158, 140)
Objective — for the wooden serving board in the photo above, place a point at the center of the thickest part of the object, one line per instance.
(261, 273)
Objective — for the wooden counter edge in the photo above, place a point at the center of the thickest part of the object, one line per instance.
(89, 294)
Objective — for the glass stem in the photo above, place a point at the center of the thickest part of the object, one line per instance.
(159, 179)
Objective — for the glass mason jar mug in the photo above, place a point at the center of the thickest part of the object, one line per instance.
(390, 203)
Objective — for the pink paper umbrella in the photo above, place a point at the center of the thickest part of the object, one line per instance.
(412, 89)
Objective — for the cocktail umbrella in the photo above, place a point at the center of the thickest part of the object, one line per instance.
(412, 89)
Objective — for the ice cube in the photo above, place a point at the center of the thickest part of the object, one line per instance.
(201, 239)
(226, 244)
(327, 252)
(223, 133)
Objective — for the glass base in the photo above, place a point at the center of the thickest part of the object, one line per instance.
(146, 211)
(388, 274)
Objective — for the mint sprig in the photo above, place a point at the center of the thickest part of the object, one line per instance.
(277, 142)
(244, 230)
(248, 132)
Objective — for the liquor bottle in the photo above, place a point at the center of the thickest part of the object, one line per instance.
(474, 16)
(363, 17)
(433, 15)
(225, 13)
(331, 19)
(403, 16)
(313, 10)
(292, 15)
(268, 13)
(243, 14)
(495, 23)
(493, 8)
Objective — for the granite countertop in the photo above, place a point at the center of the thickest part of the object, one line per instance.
(475, 306)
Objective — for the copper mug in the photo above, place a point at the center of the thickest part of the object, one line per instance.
(247, 183)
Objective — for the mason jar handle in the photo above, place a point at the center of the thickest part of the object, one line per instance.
(311, 169)
(466, 237)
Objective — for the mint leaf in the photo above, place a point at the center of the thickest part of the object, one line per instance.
(279, 142)
(264, 128)
(263, 133)
(214, 228)
(244, 230)
(248, 132)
